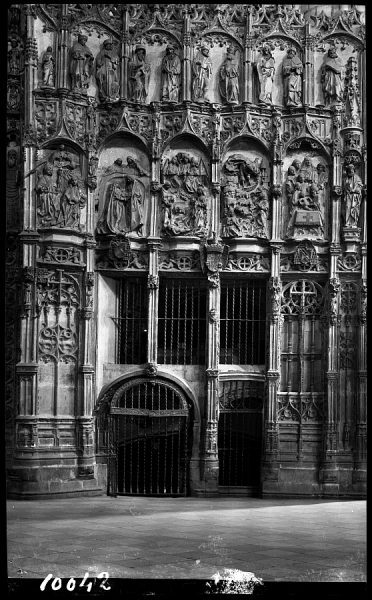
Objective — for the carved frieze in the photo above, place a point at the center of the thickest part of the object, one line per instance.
(247, 262)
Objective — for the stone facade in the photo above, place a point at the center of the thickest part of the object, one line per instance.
(216, 142)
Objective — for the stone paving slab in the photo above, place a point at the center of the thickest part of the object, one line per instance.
(188, 538)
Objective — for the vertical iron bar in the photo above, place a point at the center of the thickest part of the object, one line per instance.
(172, 321)
(192, 327)
(165, 321)
(240, 325)
(178, 323)
(246, 325)
(233, 324)
(185, 340)
(252, 328)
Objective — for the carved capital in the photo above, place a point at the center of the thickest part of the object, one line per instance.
(151, 369)
(212, 373)
(152, 282)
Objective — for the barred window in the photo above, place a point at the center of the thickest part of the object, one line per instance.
(182, 322)
(133, 321)
(243, 310)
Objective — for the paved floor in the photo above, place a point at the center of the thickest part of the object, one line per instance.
(192, 538)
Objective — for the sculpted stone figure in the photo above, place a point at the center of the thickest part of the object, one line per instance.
(48, 68)
(353, 188)
(46, 190)
(292, 71)
(265, 70)
(229, 79)
(171, 72)
(139, 75)
(14, 58)
(201, 71)
(107, 72)
(81, 65)
(332, 78)
(71, 203)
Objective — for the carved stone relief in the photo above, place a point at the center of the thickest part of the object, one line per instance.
(306, 188)
(171, 75)
(81, 65)
(245, 197)
(47, 66)
(201, 74)
(107, 72)
(185, 195)
(60, 191)
(123, 189)
(139, 75)
(352, 199)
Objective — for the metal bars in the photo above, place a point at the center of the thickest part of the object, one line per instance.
(242, 322)
(133, 321)
(182, 322)
(150, 425)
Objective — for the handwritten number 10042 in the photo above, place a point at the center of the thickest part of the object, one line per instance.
(71, 584)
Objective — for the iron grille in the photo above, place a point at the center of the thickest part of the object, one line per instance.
(150, 429)
(242, 318)
(182, 322)
(240, 433)
(133, 321)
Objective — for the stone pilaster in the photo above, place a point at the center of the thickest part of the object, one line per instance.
(308, 76)
(63, 50)
(153, 296)
(186, 60)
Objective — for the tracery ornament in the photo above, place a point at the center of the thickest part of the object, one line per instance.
(347, 350)
(247, 262)
(58, 344)
(56, 289)
(300, 409)
(179, 261)
(184, 196)
(352, 99)
(349, 262)
(245, 198)
(349, 297)
(302, 297)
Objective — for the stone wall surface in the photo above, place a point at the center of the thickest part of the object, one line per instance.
(217, 142)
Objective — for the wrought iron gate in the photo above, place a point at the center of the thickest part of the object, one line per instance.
(240, 433)
(149, 425)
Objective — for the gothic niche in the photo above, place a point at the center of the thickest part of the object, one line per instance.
(245, 196)
(124, 185)
(60, 190)
(185, 195)
(352, 200)
(47, 65)
(306, 188)
(80, 65)
(107, 72)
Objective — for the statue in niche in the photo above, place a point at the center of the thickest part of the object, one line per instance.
(81, 65)
(184, 196)
(13, 96)
(292, 72)
(201, 71)
(59, 191)
(124, 207)
(48, 68)
(14, 58)
(305, 189)
(245, 198)
(139, 75)
(229, 79)
(171, 72)
(332, 78)
(107, 72)
(265, 70)
(353, 189)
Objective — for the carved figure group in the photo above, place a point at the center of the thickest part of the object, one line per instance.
(292, 78)
(171, 73)
(124, 202)
(59, 190)
(107, 72)
(201, 74)
(81, 65)
(229, 79)
(139, 75)
(184, 196)
(332, 78)
(353, 189)
(245, 198)
(305, 186)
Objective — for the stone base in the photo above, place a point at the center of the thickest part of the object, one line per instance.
(51, 482)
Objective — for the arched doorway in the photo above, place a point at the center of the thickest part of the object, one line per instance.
(149, 426)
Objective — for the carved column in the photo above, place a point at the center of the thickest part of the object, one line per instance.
(329, 472)
(248, 59)
(360, 454)
(153, 288)
(124, 55)
(270, 470)
(186, 61)
(210, 455)
(308, 77)
(63, 51)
